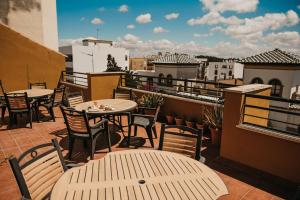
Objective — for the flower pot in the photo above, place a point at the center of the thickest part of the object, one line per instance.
(189, 124)
(215, 136)
(170, 119)
(179, 121)
(199, 126)
(150, 112)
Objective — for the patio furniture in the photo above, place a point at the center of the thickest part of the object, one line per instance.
(55, 100)
(141, 175)
(2, 102)
(18, 104)
(38, 169)
(78, 128)
(181, 139)
(41, 85)
(74, 99)
(35, 93)
(145, 121)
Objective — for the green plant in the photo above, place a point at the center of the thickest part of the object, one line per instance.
(151, 100)
(214, 117)
(130, 80)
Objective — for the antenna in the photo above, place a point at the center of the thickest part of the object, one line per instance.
(97, 33)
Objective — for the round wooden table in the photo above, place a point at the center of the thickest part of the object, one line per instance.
(140, 175)
(117, 105)
(35, 93)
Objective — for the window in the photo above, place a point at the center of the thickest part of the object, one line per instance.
(161, 79)
(257, 80)
(169, 80)
(126, 57)
(216, 78)
(69, 58)
(216, 72)
(276, 87)
(216, 66)
(230, 73)
(224, 66)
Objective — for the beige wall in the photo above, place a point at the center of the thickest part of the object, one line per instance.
(23, 61)
(137, 63)
(268, 153)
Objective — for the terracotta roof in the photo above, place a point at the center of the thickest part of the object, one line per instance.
(276, 56)
(176, 59)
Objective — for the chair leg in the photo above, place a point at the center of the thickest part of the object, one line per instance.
(108, 140)
(71, 144)
(129, 134)
(92, 148)
(3, 113)
(29, 114)
(135, 130)
(154, 131)
(149, 133)
(52, 113)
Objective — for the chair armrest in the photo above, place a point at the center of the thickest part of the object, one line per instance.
(98, 124)
(151, 117)
(72, 165)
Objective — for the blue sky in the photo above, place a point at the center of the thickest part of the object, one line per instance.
(201, 27)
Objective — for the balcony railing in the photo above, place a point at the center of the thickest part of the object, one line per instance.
(76, 78)
(272, 113)
(193, 89)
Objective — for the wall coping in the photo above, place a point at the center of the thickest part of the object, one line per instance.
(248, 88)
(271, 133)
(105, 73)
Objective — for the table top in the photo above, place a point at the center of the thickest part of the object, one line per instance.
(35, 93)
(117, 105)
(138, 175)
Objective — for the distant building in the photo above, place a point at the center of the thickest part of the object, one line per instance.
(278, 68)
(36, 20)
(222, 70)
(91, 56)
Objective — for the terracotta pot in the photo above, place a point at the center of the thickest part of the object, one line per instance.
(170, 119)
(199, 126)
(189, 124)
(215, 136)
(179, 121)
(150, 112)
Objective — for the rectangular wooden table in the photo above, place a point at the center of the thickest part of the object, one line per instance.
(138, 175)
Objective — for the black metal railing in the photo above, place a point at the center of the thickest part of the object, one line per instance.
(193, 89)
(273, 113)
(76, 78)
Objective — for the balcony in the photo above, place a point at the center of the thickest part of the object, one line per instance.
(245, 160)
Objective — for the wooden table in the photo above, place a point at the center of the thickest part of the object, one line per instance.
(138, 175)
(118, 106)
(35, 93)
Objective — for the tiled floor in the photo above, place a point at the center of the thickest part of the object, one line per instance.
(242, 182)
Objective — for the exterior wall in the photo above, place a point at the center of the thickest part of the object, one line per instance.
(223, 73)
(255, 149)
(35, 19)
(93, 59)
(101, 85)
(23, 61)
(177, 71)
(137, 63)
(238, 70)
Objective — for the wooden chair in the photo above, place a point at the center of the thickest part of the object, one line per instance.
(181, 139)
(37, 176)
(79, 128)
(19, 104)
(41, 85)
(146, 121)
(3, 105)
(74, 99)
(55, 101)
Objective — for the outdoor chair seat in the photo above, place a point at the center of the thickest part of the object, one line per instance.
(141, 121)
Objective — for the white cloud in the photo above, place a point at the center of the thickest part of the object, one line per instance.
(97, 21)
(240, 6)
(214, 18)
(131, 38)
(288, 39)
(82, 18)
(159, 29)
(131, 26)
(144, 18)
(172, 16)
(101, 9)
(216, 29)
(123, 8)
(198, 35)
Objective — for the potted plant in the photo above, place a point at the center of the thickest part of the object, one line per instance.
(214, 117)
(200, 123)
(179, 120)
(189, 122)
(170, 118)
(150, 101)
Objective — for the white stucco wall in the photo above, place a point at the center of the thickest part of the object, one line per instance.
(235, 68)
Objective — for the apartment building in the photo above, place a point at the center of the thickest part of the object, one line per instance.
(91, 56)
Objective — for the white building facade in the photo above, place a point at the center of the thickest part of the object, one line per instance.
(91, 56)
(227, 69)
(36, 20)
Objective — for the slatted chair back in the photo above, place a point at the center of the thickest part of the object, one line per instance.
(36, 176)
(74, 99)
(2, 91)
(58, 96)
(181, 139)
(17, 101)
(41, 85)
(119, 93)
(77, 122)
